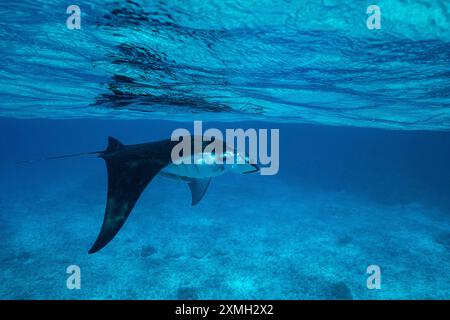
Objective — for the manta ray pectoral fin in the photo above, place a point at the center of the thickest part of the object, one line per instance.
(198, 189)
(129, 172)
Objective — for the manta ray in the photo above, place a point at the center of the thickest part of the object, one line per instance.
(132, 167)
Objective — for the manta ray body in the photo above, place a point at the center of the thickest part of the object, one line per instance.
(132, 167)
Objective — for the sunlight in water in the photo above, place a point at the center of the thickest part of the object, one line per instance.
(291, 61)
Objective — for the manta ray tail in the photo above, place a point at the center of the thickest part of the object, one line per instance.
(113, 144)
(129, 172)
(61, 157)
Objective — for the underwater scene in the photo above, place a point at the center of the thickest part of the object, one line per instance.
(346, 196)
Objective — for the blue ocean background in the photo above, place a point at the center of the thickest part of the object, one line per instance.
(364, 119)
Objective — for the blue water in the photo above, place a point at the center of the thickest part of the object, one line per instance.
(364, 119)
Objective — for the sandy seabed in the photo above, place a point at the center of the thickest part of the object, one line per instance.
(251, 237)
